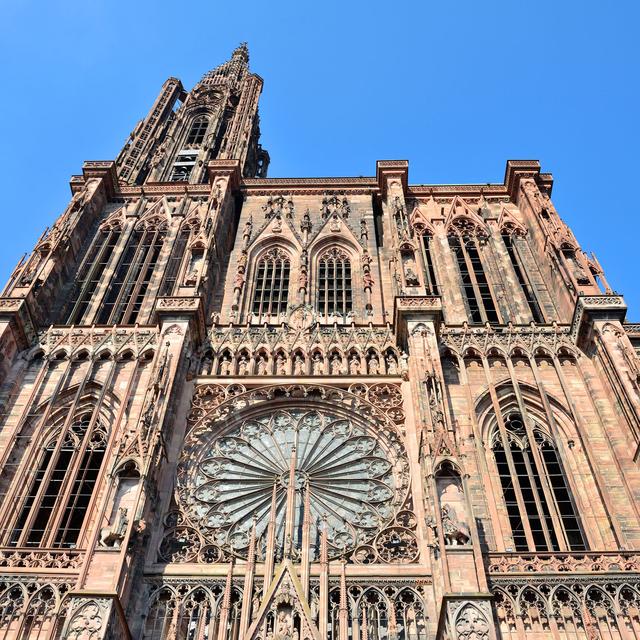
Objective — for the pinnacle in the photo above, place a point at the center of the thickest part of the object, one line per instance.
(240, 56)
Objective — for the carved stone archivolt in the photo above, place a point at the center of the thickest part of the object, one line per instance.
(350, 469)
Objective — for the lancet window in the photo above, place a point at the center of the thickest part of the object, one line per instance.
(334, 283)
(271, 290)
(172, 272)
(475, 285)
(198, 130)
(539, 503)
(90, 273)
(514, 255)
(127, 290)
(52, 508)
(430, 272)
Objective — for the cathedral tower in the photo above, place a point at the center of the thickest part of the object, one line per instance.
(235, 407)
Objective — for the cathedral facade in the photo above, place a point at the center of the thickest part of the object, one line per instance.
(235, 407)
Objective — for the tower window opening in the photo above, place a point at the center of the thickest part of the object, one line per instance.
(198, 130)
(525, 285)
(183, 166)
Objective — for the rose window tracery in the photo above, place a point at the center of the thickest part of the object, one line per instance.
(355, 479)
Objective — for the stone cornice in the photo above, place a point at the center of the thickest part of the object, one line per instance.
(416, 309)
(177, 307)
(590, 308)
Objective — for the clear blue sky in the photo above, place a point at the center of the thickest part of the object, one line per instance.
(457, 88)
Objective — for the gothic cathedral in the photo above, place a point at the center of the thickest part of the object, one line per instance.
(235, 407)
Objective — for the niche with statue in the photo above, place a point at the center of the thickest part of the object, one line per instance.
(453, 508)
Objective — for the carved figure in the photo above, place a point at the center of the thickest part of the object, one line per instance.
(243, 365)
(368, 280)
(281, 365)
(354, 365)
(262, 366)
(114, 535)
(284, 627)
(374, 365)
(207, 361)
(225, 366)
(238, 281)
(298, 365)
(454, 531)
(318, 364)
(410, 276)
(392, 365)
(336, 365)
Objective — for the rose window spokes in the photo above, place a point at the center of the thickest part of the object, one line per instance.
(351, 479)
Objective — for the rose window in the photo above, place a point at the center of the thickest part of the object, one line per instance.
(355, 479)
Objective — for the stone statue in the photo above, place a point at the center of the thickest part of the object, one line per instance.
(114, 535)
(262, 366)
(336, 365)
(243, 365)
(238, 281)
(454, 532)
(354, 365)
(205, 369)
(281, 365)
(374, 365)
(298, 365)
(225, 366)
(318, 364)
(392, 365)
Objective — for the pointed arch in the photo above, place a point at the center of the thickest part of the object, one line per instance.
(271, 283)
(334, 282)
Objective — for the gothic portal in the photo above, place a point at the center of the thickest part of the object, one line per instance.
(236, 407)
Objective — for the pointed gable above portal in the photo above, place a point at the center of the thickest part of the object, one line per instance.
(284, 598)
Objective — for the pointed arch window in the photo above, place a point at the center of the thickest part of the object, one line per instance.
(271, 290)
(335, 296)
(90, 272)
(198, 130)
(429, 271)
(127, 290)
(539, 504)
(172, 271)
(521, 273)
(54, 505)
(475, 285)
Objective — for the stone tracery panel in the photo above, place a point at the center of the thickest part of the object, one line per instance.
(349, 460)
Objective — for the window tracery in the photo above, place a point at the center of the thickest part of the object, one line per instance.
(52, 508)
(535, 489)
(395, 612)
(197, 131)
(128, 287)
(510, 242)
(354, 476)
(350, 476)
(465, 240)
(335, 297)
(271, 287)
